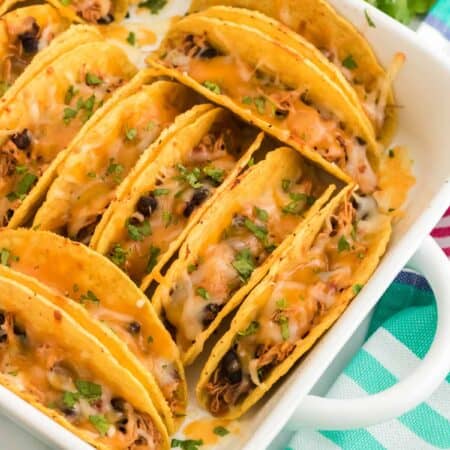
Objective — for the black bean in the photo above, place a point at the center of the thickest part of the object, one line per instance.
(22, 140)
(122, 425)
(30, 40)
(210, 312)
(281, 113)
(105, 20)
(134, 327)
(208, 53)
(197, 199)
(231, 367)
(9, 214)
(118, 403)
(20, 332)
(68, 411)
(304, 97)
(147, 204)
(360, 140)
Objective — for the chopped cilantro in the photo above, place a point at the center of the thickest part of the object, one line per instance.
(214, 173)
(150, 339)
(297, 205)
(21, 169)
(251, 329)
(260, 103)
(349, 63)
(343, 244)
(153, 5)
(100, 423)
(131, 38)
(4, 257)
(261, 214)
(281, 303)
(118, 255)
(115, 170)
(244, 264)
(24, 186)
(65, 2)
(69, 114)
(285, 185)
(188, 444)
(192, 268)
(89, 297)
(247, 100)
(259, 231)
(192, 177)
(92, 79)
(203, 293)
(130, 133)
(221, 431)
(150, 125)
(213, 87)
(251, 162)
(391, 153)
(153, 258)
(91, 175)
(89, 391)
(357, 288)
(137, 232)
(167, 218)
(70, 94)
(70, 398)
(161, 191)
(283, 322)
(369, 19)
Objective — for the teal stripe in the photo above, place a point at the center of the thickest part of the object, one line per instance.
(442, 11)
(428, 425)
(369, 374)
(353, 439)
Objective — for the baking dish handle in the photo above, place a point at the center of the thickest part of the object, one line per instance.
(339, 414)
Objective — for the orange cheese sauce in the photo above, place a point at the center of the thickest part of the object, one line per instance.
(214, 274)
(210, 431)
(59, 381)
(176, 194)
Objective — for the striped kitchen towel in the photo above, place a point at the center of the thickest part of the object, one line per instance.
(442, 232)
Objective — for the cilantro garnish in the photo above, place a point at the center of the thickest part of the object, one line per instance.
(92, 79)
(115, 170)
(221, 431)
(138, 231)
(118, 255)
(281, 303)
(192, 177)
(357, 288)
(70, 94)
(100, 423)
(4, 257)
(260, 103)
(213, 87)
(130, 133)
(343, 244)
(251, 329)
(89, 297)
(153, 5)
(261, 214)
(203, 293)
(283, 322)
(244, 264)
(131, 38)
(214, 173)
(349, 63)
(24, 186)
(161, 191)
(153, 258)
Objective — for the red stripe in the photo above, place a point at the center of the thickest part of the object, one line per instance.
(447, 251)
(447, 213)
(441, 232)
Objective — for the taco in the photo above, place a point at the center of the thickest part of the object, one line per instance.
(97, 12)
(234, 245)
(23, 33)
(39, 120)
(156, 210)
(106, 304)
(52, 363)
(280, 91)
(339, 42)
(307, 289)
(99, 158)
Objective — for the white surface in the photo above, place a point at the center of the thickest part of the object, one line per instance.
(423, 91)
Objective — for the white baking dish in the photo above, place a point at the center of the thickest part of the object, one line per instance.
(423, 91)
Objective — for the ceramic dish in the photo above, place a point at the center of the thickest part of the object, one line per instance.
(423, 91)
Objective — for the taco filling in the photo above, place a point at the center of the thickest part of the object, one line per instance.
(285, 107)
(208, 283)
(93, 11)
(26, 153)
(162, 213)
(44, 370)
(298, 301)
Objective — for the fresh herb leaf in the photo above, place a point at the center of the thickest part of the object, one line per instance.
(88, 390)
(131, 38)
(259, 231)
(153, 5)
(203, 293)
(281, 303)
(153, 258)
(192, 177)
(369, 19)
(89, 297)
(251, 162)
(150, 340)
(188, 444)
(252, 328)
(221, 431)
(70, 94)
(260, 103)
(130, 133)
(247, 100)
(286, 184)
(214, 173)
(24, 186)
(349, 63)
(167, 218)
(115, 170)
(343, 244)
(283, 322)
(244, 264)
(92, 79)
(21, 169)
(91, 175)
(4, 257)
(100, 423)
(391, 153)
(357, 288)
(118, 255)
(137, 232)
(261, 214)
(65, 2)
(69, 114)
(70, 398)
(213, 87)
(191, 268)
(161, 191)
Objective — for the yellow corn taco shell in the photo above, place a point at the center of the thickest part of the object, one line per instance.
(280, 91)
(331, 257)
(101, 298)
(155, 211)
(52, 363)
(23, 33)
(100, 157)
(338, 40)
(102, 12)
(235, 244)
(44, 115)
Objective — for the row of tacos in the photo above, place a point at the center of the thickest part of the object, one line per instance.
(165, 174)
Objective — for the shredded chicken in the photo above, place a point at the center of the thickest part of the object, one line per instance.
(93, 10)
